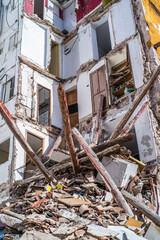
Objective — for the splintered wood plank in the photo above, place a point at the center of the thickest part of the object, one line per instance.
(73, 202)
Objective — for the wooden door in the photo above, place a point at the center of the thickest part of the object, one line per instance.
(98, 87)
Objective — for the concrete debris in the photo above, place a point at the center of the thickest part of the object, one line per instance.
(99, 231)
(153, 232)
(35, 235)
(120, 170)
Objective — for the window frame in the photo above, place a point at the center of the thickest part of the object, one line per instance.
(12, 80)
(38, 104)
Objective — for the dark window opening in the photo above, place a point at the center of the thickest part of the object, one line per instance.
(8, 90)
(4, 151)
(132, 145)
(103, 39)
(43, 106)
(39, 8)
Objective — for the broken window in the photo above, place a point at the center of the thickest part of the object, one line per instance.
(39, 8)
(73, 107)
(103, 39)
(43, 106)
(36, 144)
(54, 67)
(120, 75)
(4, 151)
(8, 90)
(12, 41)
(98, 87)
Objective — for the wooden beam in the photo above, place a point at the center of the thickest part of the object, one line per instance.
(56, 143)
(103, 172)
(148, 212)
(16, 132)
(67, 127)
(99, 117)
(107, 144)
(136, 102)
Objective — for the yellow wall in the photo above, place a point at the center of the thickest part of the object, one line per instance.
(153, 19)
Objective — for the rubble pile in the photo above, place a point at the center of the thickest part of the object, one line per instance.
(77, 207)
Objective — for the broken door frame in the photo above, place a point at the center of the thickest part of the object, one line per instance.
(49, 104)
(43, 141)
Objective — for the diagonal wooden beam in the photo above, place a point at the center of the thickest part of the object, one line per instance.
(67, 127)
(103, 172)
(21, 139)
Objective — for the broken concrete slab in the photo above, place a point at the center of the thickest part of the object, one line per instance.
(128, 233)
(120, 170)
(35, 235)
(98, 231)
(10, 221)
(153, 232)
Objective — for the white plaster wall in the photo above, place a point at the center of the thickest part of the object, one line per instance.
(84, 95)
(123, 21)
(85, 44)
(71, 61)
(52, 14)
(27, 74)
(35, 42)
(5, 134)
(69, 16)
(145, 137)
(136, 61)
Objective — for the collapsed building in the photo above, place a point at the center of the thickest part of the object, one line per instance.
(93, 49)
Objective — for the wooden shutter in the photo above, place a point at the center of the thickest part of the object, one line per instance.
(98, 86)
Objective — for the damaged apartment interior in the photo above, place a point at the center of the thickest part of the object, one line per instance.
(79, 119)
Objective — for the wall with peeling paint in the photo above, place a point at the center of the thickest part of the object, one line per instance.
(86, 6)
(152, 16)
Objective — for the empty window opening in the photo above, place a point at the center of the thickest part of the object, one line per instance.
(98, 87)
(8, 90)
(54, 67)
(39, 8)
(103, 39)
(36, 144)
(73, 107)
(43, 106)
(4, 151)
